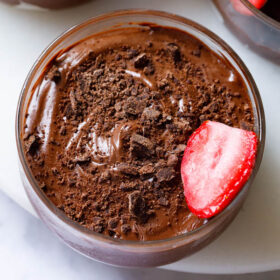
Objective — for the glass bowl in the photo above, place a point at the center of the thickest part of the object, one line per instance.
(254, 28)
(101, 247)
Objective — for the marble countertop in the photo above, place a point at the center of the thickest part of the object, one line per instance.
(29, 251)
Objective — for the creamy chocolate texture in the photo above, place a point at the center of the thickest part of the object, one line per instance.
(108, 122)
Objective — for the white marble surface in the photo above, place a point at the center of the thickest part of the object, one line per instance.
(29, 251)
(250, 244)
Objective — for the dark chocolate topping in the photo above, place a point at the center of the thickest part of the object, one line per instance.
(108, 123)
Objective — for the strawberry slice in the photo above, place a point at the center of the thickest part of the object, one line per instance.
(217, 162)
(241, 8)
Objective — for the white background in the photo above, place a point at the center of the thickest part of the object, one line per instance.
(29, 251)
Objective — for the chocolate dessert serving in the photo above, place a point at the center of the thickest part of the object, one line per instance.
(108, 122)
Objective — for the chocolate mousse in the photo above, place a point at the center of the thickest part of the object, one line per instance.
(108, 122)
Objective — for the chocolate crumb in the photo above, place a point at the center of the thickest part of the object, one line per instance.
(174, 50)
(113, 223)
(125, 228)
(141, 61)
(172, 160)
(127, 169)
(141, 146)
(151, 114)
(137, 205)
(163, 201)
(165, 174)
(32, 144)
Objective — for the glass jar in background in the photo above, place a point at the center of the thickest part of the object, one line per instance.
(104, 248)
(253, 27)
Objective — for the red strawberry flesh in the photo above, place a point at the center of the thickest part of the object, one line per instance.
(217, 162)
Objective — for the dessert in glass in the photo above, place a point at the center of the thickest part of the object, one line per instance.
(102, 124)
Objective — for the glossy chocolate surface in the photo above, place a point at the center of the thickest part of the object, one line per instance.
(109, 120)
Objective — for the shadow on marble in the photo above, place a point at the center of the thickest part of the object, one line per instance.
(28, 250)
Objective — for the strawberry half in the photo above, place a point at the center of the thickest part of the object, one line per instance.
(217, 162)
(241, 8)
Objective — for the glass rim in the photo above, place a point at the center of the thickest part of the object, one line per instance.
(168, 16)
(260, 14)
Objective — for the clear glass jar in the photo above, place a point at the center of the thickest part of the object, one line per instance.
(254, 28)
(101, 247)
